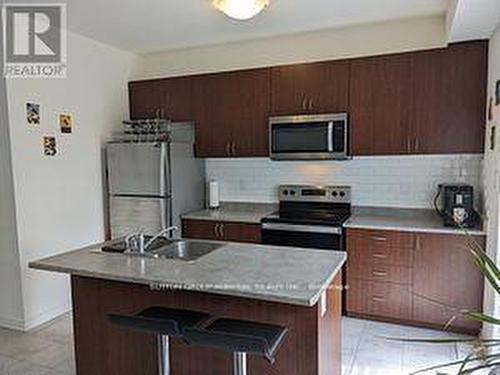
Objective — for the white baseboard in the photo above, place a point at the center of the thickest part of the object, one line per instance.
(15, 324)
(41, 319)
(45, 317)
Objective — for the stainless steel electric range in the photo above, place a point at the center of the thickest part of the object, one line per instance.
(309, 217)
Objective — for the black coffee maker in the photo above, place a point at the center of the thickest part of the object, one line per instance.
(457, 205)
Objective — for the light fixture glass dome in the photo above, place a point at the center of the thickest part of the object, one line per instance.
(241, 9)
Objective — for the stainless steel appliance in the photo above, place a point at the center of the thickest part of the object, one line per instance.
(151, 183)
(457, 205)
(311, 137)
(310, 217)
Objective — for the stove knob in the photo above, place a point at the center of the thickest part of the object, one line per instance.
(292, 192)
(342, 194)
(285, 192)
(335, 193)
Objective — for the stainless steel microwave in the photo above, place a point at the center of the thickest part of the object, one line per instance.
(309, 137)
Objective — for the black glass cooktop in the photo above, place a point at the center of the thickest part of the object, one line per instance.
(310, 213)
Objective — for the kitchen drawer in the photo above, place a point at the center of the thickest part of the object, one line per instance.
(377, 271)
(241, 232)
(380, 247)
(200, 229)
(221, 231)
(383, 238)
(379, 299)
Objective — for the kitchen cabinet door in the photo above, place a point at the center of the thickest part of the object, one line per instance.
(221, 231)
(178, 102)
(200, 229)
(146, 99)
(241, 232)
(232, 112)
(380, 90)
(444, 271)
(449, 99)
(310, 88)
(170, 98)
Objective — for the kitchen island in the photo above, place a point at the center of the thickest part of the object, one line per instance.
(296, 288)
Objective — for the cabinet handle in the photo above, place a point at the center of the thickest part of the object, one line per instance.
(311, 104)
(408, 144)
(378, 238)
(379, 273)
(221, 230)
(304, 102)
(228, 149)
(417, 243)
(417, 144)
(216, 233)
(233, 148)
(378, 299)
(379, 256)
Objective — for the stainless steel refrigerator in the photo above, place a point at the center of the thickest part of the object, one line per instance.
(150, 184)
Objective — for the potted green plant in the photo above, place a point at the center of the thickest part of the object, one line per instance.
(482, 357)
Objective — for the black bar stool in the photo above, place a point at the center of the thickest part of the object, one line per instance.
(240, 337)
(165, 323)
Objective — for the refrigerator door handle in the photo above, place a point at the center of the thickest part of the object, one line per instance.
(163, 172)
(163, 214)
(167, 183)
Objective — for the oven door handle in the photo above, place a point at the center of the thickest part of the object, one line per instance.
(302, 228)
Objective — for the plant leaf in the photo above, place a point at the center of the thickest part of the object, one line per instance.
(472, 359)
(480, 367)
(483, 318)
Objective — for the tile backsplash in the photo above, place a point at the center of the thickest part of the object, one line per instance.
(392, 181)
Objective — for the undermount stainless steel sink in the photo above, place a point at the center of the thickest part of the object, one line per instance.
(185, 250)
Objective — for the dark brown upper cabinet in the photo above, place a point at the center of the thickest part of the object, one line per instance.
(424, 102)
(380, 98)
(310, 88)
(232, 111)
(449, 99)
(170, 98)
(179, 99)
(145, 99)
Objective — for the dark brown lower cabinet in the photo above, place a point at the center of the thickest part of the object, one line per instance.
(221, 231)
(416, 278)
(445, 272)
(379, 299)
(312, 346)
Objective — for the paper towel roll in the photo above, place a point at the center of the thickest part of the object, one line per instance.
(213, 194)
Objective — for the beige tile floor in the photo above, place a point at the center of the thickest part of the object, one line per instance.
(48, 350)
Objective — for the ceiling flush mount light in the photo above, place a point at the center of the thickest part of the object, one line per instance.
(241, 9)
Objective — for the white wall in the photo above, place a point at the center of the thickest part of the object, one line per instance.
(398, 181)
(59, 200)
(11, 306)
(363, 40)
(492, 178)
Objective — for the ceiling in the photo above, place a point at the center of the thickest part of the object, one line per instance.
(157, 25)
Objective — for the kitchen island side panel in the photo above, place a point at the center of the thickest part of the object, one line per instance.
(311, 348)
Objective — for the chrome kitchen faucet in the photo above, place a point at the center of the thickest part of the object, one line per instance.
(136, 242)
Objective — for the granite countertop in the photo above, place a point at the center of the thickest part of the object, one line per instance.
(234, 212)
(268, 273)
(402, 219)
